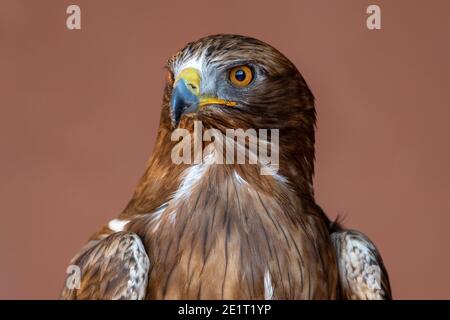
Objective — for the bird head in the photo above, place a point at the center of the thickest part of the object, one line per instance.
(237, 82)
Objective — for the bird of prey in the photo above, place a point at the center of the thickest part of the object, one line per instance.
(207, 230)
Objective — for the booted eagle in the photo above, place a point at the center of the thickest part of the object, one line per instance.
(210, 230)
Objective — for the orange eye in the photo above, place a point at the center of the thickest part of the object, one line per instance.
(241, 76)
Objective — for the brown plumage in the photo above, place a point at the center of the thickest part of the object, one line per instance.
(224, 231)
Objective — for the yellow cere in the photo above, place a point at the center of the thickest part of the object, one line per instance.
(192, 78)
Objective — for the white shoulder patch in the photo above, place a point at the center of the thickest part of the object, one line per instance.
(117, 225)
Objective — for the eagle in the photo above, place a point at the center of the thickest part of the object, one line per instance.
(209, 230)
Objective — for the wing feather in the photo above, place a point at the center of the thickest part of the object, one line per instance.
(113, 268)
(361, 270)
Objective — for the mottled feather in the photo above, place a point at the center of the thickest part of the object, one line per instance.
(362, 273)
(115, 268)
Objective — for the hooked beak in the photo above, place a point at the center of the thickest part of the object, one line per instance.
(186, 96)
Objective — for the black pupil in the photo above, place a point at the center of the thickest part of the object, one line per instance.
(240, 75)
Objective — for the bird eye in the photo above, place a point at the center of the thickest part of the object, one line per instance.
(241, 76)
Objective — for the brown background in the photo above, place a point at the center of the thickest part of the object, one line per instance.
(79, 112)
